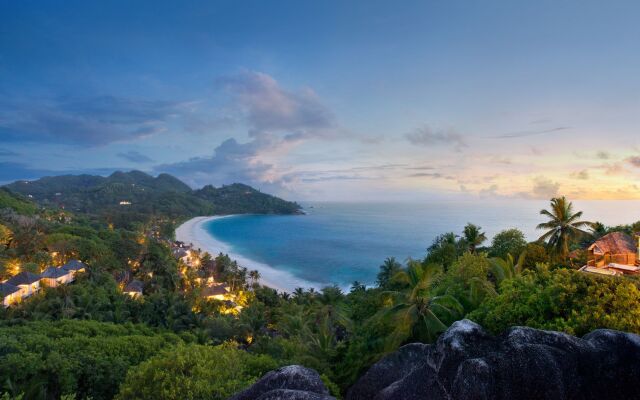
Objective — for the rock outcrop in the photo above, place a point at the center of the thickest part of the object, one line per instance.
(287, 383)
(524, 363)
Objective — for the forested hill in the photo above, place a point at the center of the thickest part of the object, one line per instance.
(135, 193)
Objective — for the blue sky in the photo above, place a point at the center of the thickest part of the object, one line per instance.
(328, 100)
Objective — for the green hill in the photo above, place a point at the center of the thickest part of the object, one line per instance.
(237, 198)
(16, 202)
(136, 195)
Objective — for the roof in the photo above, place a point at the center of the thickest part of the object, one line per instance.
(180, 253)
(623, 267)
(23, 278)
(615, 243)
(74, 265)
(134, 286)
(54, 272)
(7, 289)
(215, 290)
(600, 271)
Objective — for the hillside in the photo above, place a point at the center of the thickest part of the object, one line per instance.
(16, 202)
(135, 194)
(236, 198)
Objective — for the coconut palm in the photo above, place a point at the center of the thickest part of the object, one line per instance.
(473, 236)
(418, 313)
(599, 230)
(564, 226)
(298, 293)
(254, 275)
(506, 268)
(285, 296)
(387, 271)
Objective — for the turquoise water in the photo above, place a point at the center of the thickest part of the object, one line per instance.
(338, 243)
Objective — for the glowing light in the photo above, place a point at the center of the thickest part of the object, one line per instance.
(13, 267)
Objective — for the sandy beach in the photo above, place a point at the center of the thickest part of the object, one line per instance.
(193, 231)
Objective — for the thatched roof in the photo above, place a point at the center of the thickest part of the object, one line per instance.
(615, 243)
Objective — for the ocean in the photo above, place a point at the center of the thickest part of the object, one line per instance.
(339, 243)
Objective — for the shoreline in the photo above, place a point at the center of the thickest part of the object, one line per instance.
(193, 232)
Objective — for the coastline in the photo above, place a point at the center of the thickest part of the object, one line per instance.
(193, 232)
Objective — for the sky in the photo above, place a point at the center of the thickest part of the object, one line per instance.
(328, 100)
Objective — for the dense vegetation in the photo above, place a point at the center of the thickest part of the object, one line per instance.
(145, 197)
(84, 339)
(90, 359)
(195, 372)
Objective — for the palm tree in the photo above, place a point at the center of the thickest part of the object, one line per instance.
(474, 236)
(387, 271)
(599, 229)
(254, 275)
(416, 311)
(298, 293)
(506, 268)
(564, 226)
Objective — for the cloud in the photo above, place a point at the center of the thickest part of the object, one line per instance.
(536, 151)
(634, 161)
(268, 107)
(581, 175)
(278, 120)
(434, 175)
(335, 178)
(514, 135)
(501, 160)
(7, 153)
(612, 169)
(491, 191)
(426, 136)
(368, 172)
(544, 188)
(231, 162)
(135, 157)
(12, 171)
(90, 121)
(603, 155)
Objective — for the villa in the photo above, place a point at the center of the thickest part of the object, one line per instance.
(615, 253)
(74, 266)
(55, 276)
(10, 294)
(27, 282)
(134, 288)
(217, 291)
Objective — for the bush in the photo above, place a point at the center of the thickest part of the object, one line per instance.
(563, 300)
(195, 372)
(509, 241)
(85, 358)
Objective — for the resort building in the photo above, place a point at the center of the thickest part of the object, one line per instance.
(75, 266)
(55, 276)
(134, 288)
(217, 291)
(616, 253)
(10, 294)
(24, 284)
(29, 283)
